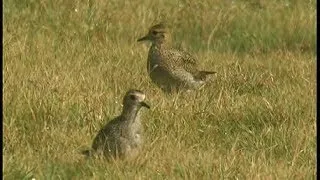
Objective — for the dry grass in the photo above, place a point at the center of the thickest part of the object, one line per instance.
(67, 65)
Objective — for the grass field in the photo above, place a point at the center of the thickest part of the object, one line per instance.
(67, 65)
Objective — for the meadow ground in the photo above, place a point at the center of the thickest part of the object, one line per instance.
(67, 65)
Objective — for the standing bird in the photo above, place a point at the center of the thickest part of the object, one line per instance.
(122, 137)
(171, 69)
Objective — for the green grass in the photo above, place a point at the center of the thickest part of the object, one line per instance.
(67, 65)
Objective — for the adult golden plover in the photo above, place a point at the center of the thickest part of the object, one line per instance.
(169, 68)
(122, 137)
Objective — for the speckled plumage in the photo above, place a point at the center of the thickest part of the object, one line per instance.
(169, 68)
(122, 137)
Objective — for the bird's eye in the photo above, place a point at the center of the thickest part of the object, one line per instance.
(133, 97)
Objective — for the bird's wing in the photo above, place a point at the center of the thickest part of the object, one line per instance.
(109, 130)
(184, 60)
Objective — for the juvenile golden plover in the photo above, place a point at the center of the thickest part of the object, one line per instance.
(169, 68)
(122, 137)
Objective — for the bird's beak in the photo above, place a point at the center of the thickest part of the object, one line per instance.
(145, 104)
(143, 38)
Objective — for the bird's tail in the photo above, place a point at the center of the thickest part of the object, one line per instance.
(207, 72)
(87, 153)
(203, 74)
